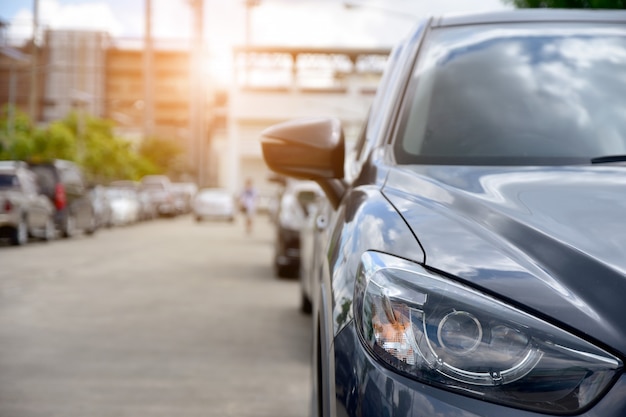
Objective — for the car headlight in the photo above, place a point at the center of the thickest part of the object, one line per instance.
(446, 334)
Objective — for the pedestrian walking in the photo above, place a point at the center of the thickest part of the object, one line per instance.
(247, 201)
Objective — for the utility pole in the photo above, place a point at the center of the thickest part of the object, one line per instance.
(34, 76)
(197, 111)
(148, 74)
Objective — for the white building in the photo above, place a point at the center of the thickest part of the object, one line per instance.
(275, 84)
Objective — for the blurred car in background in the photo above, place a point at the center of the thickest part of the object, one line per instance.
(296, 203)
(125, 206)
(214, 204)
(101, 205)
(64, 184)
(184, 192)
(24, 210)
(158, 189)
(147, 208)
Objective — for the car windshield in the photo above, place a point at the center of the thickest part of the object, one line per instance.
(516, 94)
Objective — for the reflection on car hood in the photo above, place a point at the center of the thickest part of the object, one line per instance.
(551, 238)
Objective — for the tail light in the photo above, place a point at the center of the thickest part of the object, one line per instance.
(60, 199)
(7, 206)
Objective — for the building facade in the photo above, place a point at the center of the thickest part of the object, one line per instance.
(275, 84)
(74, 69)
(88, 71)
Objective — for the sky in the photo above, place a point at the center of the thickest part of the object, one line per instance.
(369, 23)
(290, 22)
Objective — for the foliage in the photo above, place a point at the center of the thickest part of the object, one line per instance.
(165, 154)
(570, 4)
(55, 141)
(87, 140)
(15, 140)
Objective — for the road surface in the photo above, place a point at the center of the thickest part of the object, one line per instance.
(166, 318)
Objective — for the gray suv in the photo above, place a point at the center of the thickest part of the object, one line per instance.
(63, 182)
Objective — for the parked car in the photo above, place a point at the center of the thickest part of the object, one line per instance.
(158, 189)
(184, 192)
(64, 184)
(214, 203)
(474, 261)
(24, 211)
(296, 202)
(147, 207)
(125, 206)
(101, 205)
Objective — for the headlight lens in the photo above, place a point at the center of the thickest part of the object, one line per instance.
(452, 336)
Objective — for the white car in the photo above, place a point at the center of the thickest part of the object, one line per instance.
(125, 206)
(297, 202)
(214, 203)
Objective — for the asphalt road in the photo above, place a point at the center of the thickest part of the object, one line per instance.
(165, 318)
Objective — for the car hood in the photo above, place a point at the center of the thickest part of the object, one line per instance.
(550, 239)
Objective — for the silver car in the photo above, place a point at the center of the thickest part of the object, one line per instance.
(213, 203)
(24, 211)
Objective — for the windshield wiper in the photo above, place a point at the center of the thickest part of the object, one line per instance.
(608, 159)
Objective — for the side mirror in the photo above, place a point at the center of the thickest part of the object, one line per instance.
(305, 148)
(311, 149)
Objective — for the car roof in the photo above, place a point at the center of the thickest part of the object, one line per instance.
(8, 166)
(531, 15)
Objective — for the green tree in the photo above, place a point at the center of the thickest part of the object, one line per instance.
(15, 135)
(104, 156)
(570, 4)
(54, 141)
(165, 155)
(89, 141)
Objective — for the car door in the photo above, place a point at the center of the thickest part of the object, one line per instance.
(37, 205)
